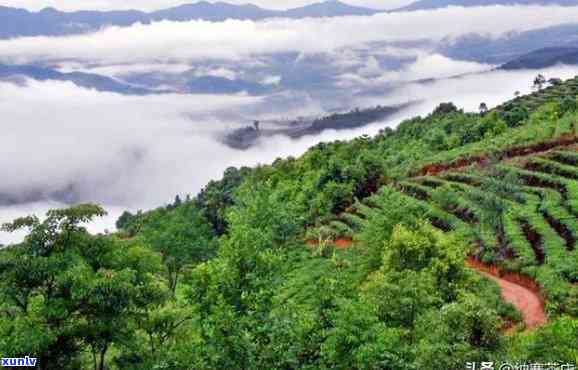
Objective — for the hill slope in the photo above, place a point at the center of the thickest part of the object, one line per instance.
(252, 273)
(543, 58)
(514, 196)
(502, 186)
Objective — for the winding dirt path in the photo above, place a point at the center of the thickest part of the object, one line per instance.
(526, 301)
(519, 291)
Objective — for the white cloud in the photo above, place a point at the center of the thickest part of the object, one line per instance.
(426, 66)
(216, 72)
(434, 66)
(108, 147)
(122, 69)
(183, 42)
(138, 152)
(371, 68)
(467, 92)
(271, 80)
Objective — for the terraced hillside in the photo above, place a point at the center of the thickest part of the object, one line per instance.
(514, 198)
(520, 213)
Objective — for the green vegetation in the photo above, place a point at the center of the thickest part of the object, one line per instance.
(250, 274)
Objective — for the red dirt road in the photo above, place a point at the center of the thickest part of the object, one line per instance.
(521, 291)
(517, 290)
(526, 301)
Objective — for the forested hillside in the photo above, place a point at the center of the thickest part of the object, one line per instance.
(352, 256)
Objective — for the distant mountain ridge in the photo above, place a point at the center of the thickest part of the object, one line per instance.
(480, 48)
(543, 58)
(51, 22)
(192, 85)
(437, 4)
(86, 80)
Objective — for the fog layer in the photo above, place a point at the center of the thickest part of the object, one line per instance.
(242, 40)
(139, 152)
(64, 144)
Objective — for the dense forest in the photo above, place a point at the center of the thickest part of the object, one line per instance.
(352, 256)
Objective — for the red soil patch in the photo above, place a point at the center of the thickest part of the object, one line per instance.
(340, 243)
(343, 243)
(517, 289)
(519, 151)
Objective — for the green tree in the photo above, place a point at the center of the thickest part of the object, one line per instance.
(555, 342)
(483, 109)
(444, 109)
(569, 104)
(215, 199)
(84, 290)
(463, 331)
(554, 81)
(539, 82)
(514, 116)
(124, 220)
(182, 236)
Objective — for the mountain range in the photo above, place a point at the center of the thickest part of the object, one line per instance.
(491, 50)
(436, 4)
(82, 79)
(51, 22)
(15, 22)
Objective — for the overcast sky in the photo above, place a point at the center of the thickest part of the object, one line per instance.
(159, 4)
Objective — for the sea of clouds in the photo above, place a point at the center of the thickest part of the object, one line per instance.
(138, 152)
(242, 41)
